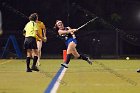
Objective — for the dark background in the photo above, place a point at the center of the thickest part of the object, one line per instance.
(99, 39)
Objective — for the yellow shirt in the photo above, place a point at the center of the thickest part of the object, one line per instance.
(41, 27)
(30, 29)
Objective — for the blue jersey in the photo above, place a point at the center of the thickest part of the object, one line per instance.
(69, 38)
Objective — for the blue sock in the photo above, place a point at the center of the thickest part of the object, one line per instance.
(82, 57)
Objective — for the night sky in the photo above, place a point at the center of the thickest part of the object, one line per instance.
(122, 14)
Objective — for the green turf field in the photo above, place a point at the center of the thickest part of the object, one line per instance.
(104, 76)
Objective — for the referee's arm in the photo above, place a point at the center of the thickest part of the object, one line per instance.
(24, 32)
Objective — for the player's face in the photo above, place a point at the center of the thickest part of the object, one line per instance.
(60, 25)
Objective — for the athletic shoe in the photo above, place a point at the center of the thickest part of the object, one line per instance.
(28, 70)
(35, 68)
(64, 65)
(89, 61)
(138, 70)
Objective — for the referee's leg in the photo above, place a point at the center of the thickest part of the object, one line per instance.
(35, 58)
(29, 54)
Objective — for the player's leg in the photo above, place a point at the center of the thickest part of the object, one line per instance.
(29, 54)
(80, 56)
(39, 46)
(69, 51)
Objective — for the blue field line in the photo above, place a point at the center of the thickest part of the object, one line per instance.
(54, 80)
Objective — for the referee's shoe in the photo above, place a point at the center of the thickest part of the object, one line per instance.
(28, 70)
(34, 68)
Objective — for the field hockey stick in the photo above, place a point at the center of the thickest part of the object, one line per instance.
(87, 23)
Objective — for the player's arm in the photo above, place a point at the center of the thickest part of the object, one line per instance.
(44, 34)
(24, 32)
(36, 31)
(44, 31)
(63, 32)
(73, 30)
(68, 28)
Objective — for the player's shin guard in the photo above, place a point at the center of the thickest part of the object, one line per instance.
(28, 62)
(35, 60)
(68, 58)
(85, 58)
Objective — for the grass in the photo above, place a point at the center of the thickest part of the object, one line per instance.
(104, 76)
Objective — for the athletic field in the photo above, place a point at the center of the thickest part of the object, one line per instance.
(104, 76)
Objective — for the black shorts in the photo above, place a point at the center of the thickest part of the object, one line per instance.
(30, 43)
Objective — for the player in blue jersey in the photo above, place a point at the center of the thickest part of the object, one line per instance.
(70, 40)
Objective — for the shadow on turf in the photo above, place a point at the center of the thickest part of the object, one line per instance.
(128, 80)
(105, 68)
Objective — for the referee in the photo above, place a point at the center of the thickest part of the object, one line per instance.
(31, 30)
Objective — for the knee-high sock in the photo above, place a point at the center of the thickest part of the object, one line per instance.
(68, 58)
(35, 60)
(28, 62)
(82, 57)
